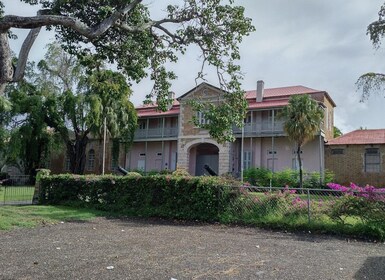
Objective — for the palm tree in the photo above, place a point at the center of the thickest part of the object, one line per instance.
(302, 120)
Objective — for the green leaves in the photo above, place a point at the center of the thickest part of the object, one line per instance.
(373, 82)
(303, 117)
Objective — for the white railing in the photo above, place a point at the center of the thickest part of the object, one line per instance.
(167, 132)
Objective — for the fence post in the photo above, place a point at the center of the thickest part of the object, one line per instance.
(308, 206)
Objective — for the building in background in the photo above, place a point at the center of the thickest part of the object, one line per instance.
(166, 140)
(357, 157)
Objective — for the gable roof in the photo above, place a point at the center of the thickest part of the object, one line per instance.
(273, 97)
(361, 136)
(201, 85)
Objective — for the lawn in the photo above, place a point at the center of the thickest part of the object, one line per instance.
(16, 193)
(33, 215)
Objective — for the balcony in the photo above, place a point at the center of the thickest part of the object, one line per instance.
(263, 128)
(154, 133)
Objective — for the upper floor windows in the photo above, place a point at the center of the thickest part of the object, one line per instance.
(201, 118)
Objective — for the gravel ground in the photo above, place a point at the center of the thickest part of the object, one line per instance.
(155, 249)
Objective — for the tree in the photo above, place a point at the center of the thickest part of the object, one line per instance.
(302, 120)
(80, 99)
(374, 82)
(336, 132)
(125, 33)
(30, 141)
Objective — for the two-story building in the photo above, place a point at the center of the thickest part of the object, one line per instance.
(167, 140)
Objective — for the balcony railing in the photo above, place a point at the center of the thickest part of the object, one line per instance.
(261, 128)
(167, 132)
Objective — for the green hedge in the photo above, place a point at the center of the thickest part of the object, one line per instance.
(200, 198)
(288, 177)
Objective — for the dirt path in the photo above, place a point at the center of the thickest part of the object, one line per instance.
(142, 249)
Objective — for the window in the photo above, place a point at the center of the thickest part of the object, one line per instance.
(201, 119)
(372, 160)
(91, 160)
(142, 125)
(67, 163)
(337, 151)
(246, 159)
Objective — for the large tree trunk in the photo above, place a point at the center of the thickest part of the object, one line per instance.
(76, 150)
(6, 69)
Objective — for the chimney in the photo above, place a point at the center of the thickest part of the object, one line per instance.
(260, 89)
(171, 95)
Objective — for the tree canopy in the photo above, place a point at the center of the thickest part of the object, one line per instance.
(125, 33)
(302, 120)
(374, 82)
(61, 101)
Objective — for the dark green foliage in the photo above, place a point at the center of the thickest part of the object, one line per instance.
(263, 177)
(201, 198)
(258, 176)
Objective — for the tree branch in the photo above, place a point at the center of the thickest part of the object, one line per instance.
(11, 21)
(24, 52)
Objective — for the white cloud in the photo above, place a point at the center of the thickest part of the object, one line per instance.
(319, 44)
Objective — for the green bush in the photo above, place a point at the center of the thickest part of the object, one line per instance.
(288, 177)
(180, 172)
(201, 198)
(258, 176)
(133, 174)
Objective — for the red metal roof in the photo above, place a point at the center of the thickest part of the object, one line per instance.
(361, 136)
(268, 104)
(153, 111)
(281, 91)
(273, 97)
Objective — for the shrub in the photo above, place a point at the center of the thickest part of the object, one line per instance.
(201, 198)
(257, 176)
(287, 177)
(133, 174)
(181, 172)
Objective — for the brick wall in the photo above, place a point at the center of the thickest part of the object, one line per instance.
(349, 166)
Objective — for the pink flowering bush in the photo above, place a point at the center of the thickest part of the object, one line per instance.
(369, 192)
(366, 203)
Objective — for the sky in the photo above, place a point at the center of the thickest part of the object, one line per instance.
(320, 44)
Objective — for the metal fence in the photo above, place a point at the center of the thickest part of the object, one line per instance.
(16, 195)
(16, 190)
(286, 205)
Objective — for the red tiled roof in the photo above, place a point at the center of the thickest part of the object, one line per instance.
(362, 136)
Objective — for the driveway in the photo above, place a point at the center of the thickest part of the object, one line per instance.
(156, 249)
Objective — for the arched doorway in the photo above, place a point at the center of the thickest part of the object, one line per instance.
(201, 155)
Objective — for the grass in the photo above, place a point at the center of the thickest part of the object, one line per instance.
(19, 193)
(31, 216)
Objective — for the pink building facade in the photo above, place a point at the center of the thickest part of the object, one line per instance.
(169, 140)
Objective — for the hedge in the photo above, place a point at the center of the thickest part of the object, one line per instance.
(200, 198)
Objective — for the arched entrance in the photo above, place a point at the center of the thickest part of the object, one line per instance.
(201, 155)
